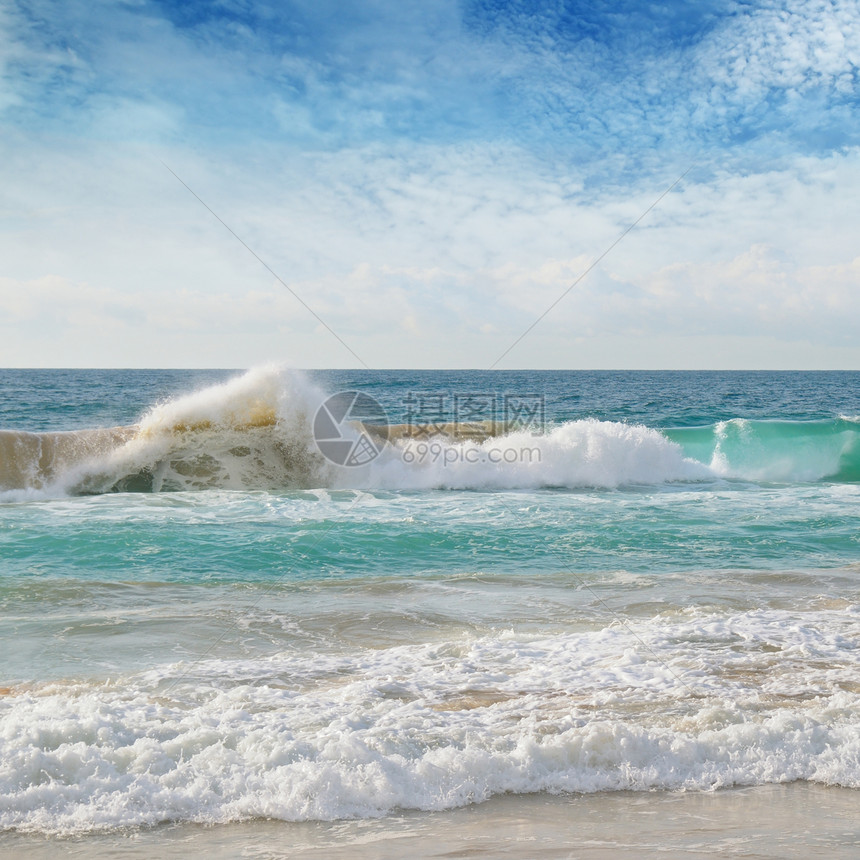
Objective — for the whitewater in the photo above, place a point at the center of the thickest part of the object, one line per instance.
(255, 433)
(650, 585)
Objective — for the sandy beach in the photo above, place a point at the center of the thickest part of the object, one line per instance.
(757, 823)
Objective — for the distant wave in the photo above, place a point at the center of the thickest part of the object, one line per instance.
(777, 451)
(254, 432)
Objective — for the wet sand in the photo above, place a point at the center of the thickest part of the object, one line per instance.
(798, 820)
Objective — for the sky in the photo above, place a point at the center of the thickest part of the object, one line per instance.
(430, 184)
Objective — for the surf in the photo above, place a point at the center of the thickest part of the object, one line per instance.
(255, 432)
(776, 451)
(251, 432)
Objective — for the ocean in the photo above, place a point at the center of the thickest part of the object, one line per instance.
(300, 613)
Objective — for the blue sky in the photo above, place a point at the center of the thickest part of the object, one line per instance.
(429, 177)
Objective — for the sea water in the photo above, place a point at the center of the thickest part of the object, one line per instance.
(645, 581)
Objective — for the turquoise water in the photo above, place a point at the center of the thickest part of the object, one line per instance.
(652, 583)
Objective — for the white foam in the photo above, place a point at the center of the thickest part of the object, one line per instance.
(255, 432)
(266, 390)
(783, 451)
(697, 702)
(586, 453)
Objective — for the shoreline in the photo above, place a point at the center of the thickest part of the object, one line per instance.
(798, 819)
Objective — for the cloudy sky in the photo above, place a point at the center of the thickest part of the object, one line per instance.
(426, 178)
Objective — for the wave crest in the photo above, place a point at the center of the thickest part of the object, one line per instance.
(252, 432)
(777, 451)
(586, 453)
(255, 432)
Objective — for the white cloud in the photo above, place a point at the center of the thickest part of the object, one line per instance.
(758, 293)
(444, 243)
(418, 184)
(793, 46)
(758, 296)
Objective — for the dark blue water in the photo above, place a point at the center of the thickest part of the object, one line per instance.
(40, 400)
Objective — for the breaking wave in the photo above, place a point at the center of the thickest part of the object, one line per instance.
(255, 432)
(777, 451)
(438, 725)
(252, 432)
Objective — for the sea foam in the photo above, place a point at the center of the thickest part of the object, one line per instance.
(255, 432)
(438, 725)
(585, 453)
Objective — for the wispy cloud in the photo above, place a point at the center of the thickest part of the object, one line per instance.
(439, 171)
